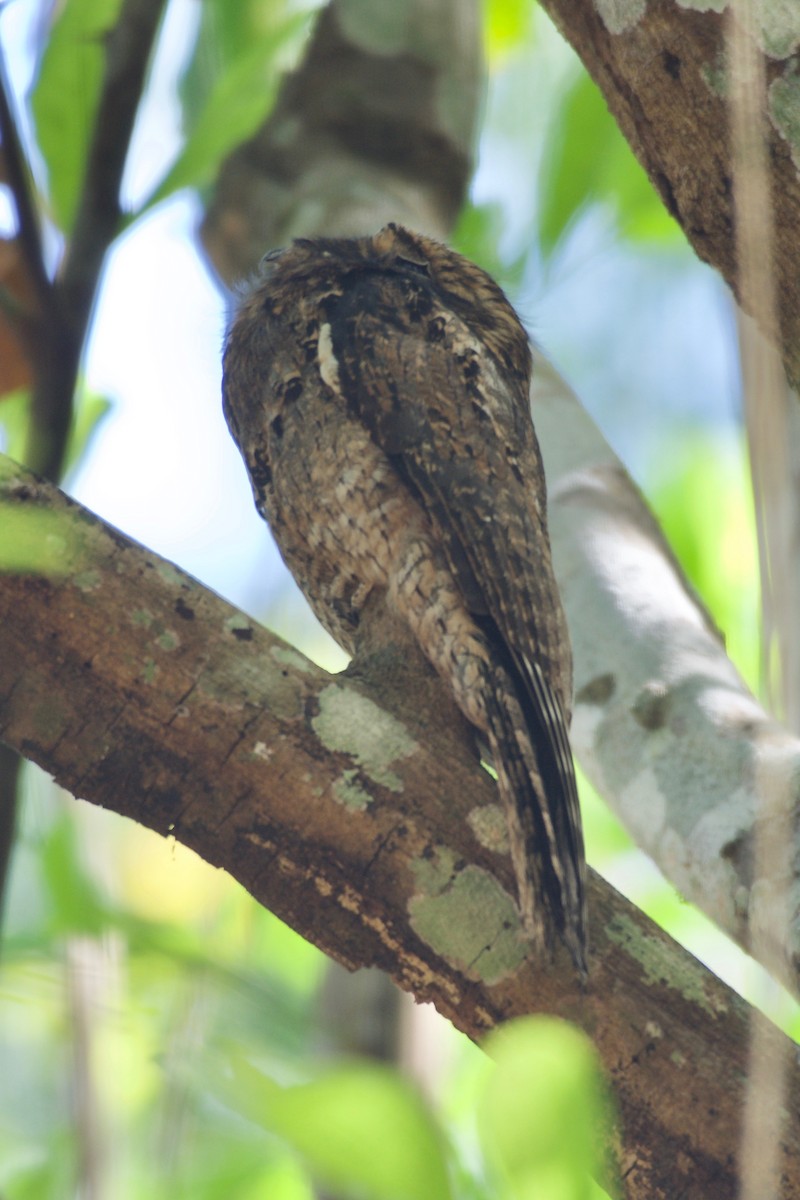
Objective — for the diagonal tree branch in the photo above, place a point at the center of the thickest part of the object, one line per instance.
(662, 69)
(663, 725)
(353, 807)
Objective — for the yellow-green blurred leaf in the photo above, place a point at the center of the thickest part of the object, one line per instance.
(506, 22)
(361, 1128)
(705, 507)
(34, 541)
(542, 1110)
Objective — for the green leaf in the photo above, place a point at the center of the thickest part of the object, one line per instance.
(225, 32)
(90, 411)
(704, 503)
(506, 23)
(238, 103)
(77, 904)
(476, 236)
(542, 1110)
(34, 540)
(361, 1128)
(587, 160)
(14, 418)
(65, 96)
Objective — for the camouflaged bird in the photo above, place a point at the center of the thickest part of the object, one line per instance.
(378, 391)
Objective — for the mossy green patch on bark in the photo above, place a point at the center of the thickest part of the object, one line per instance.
(353, 724)
(660, 964)
(467, 918)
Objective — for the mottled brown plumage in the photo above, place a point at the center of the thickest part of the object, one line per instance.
(378, 390)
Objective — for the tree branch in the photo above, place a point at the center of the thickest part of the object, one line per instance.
(353, 808)
(662, 70)
(63, 332)
(381, 121)
(18, 175)
(663, 725)
(128, 47)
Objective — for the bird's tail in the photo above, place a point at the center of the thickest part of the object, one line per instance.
(539, 794)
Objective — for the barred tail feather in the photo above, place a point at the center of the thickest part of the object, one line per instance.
(540, 802)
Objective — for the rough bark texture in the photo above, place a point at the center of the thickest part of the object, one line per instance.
(662, 69)
(352, 807)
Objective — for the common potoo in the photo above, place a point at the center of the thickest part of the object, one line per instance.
(378, 391)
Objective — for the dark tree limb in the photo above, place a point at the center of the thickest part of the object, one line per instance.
(62, 329)
(662, 69)
(354, 808)
(128, 47)
(19, 182)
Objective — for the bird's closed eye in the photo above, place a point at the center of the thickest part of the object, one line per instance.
(420, 267)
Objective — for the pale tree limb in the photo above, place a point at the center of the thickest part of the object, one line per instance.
(664, 726)
(355, 809)
(376, 125)
(765, 399)
(668, 79)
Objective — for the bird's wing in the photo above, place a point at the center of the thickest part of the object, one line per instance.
(455, 428)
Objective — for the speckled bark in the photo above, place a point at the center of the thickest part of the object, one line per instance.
(353, 809)
(661, 67)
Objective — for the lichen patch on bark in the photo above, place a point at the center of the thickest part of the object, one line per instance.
(467, 918)
(287, 656)
(488, 823)
(784, 111)
(659, 966)
(348, 792)
(620, 15)
(352, 724)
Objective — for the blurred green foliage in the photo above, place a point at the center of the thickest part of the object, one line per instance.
(88, 415)
(508, 24)
(545, 1077)
(586, 160)
(361, 1128)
